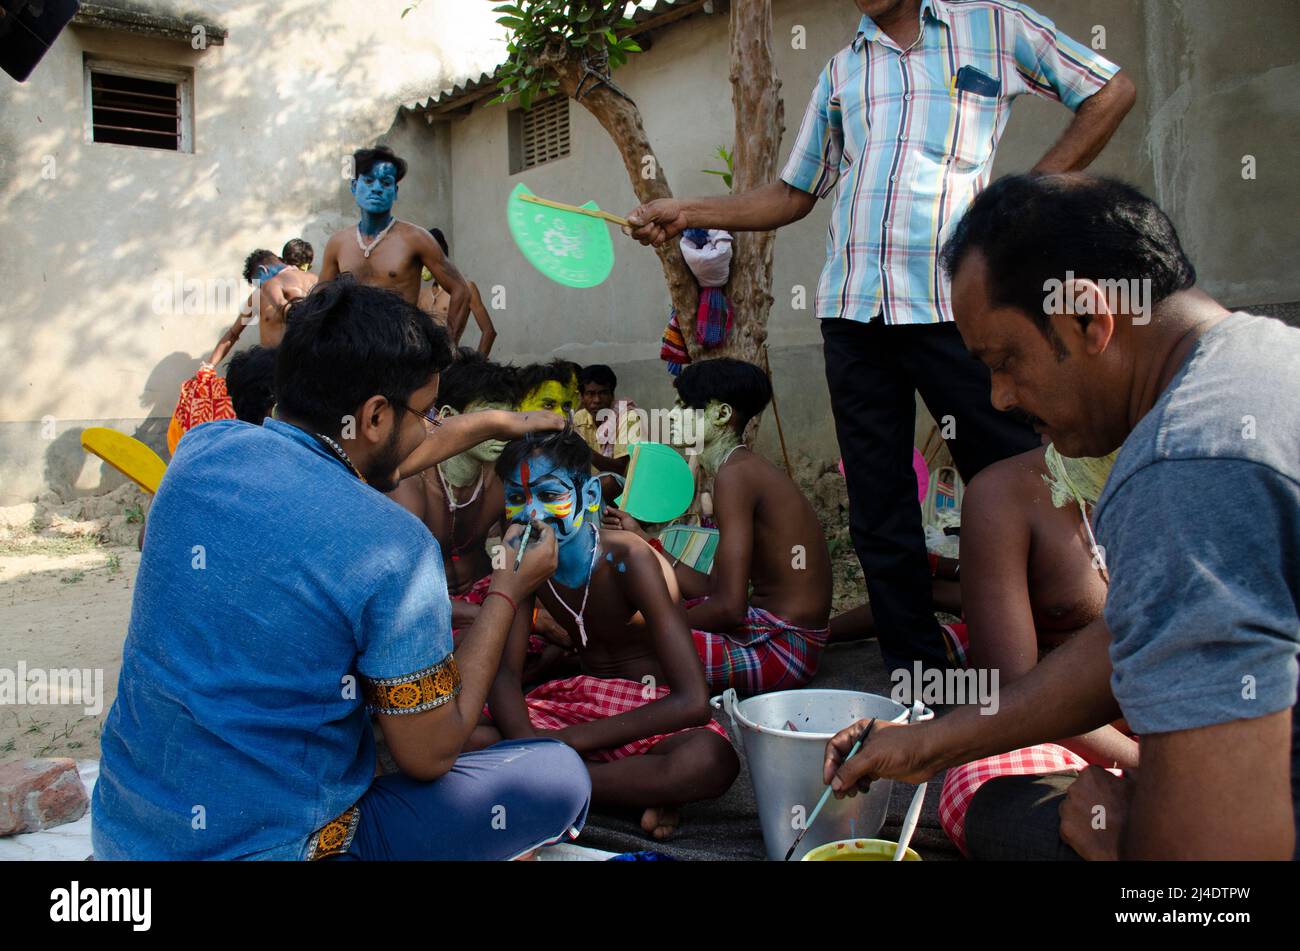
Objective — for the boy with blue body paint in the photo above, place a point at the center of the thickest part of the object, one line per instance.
(639, 712)
(384, 251)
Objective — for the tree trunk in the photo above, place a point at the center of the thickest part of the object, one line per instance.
(622, 120)
(760, 123)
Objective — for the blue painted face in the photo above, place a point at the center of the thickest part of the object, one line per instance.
(539, 489)
(376, 190)
(265, 273)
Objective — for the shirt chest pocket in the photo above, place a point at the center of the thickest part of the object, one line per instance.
(967, 139)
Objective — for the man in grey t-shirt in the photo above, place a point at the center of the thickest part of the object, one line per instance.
(1076, 293)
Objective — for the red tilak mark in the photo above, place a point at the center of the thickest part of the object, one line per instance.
(528, 494)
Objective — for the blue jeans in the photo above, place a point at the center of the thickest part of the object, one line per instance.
(494, 804)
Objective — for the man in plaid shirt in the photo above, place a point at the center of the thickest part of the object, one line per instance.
(906, 121)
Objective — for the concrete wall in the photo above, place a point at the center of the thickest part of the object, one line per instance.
(1217, 81)
(89, 228)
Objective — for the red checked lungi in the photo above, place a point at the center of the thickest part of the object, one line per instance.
(584, 698)
(765, 653)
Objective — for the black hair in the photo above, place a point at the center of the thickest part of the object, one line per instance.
(297, 252)
(472, 376)
(363, 160)
(559, 371)
(569, 450)
(1031, 229)
(250, 381)
(742, 386)
(599, 374)
(441, 239)
(259, 258)
(346, 342)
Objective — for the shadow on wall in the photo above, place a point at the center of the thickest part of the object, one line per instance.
(95, 285)
(67, 465)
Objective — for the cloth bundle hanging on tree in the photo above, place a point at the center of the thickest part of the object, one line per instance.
(708, 255)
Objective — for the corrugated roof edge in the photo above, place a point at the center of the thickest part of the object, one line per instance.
(468, 90)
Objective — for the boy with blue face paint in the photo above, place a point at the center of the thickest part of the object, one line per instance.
(639, 712)
(275, 287)
(384, 251)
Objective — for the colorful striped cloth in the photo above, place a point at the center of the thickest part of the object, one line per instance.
(673, 349)
(766, 653)
(584, 698)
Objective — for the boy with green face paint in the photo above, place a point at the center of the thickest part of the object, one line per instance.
(639, 712)
(460, 499)
(760, 617)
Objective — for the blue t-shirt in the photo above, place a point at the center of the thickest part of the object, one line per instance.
(1200, 525)
(274, 587)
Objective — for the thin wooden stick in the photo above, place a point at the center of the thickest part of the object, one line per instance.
(589, 212)
(776, 413)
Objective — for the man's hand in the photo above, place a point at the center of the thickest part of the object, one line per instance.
(1094, 811)
(893, 751)
(540, 559)
(657, 221)
(619, 520)
(518, 425)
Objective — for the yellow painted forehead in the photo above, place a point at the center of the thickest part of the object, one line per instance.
(552, 396)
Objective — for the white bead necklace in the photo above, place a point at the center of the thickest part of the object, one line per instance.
(367, 248)
(586, 589)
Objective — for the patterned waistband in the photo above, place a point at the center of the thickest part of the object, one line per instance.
(335, 836)
(413, 693)
(760, 620)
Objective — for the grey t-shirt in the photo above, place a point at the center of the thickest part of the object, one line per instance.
(1200, 527)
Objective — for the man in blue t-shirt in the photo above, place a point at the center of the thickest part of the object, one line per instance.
(1076, 293)
(282, 597)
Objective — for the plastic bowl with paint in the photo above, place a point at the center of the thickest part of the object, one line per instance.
(858, 850)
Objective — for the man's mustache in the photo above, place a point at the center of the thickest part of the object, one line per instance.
(1029, 419)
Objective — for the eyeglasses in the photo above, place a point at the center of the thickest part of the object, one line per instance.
(425, 416)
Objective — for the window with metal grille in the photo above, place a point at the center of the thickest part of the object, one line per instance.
(140, 106)
(540, 134)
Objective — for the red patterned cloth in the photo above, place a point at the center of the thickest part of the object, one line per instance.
(961, 782)
(765, 653)
(957, 643)
(583, 698)
(203, 399)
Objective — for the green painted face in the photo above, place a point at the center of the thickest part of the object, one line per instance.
(488, 451)
(552, 397)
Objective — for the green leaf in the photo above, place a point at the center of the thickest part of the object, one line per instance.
(513, 23)
(629, 45)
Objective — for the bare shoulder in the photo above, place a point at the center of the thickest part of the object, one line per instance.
(1007, 481)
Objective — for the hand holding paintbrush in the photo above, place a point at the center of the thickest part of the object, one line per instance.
(535, 558)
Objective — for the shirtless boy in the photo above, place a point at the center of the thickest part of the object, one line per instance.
(384, 251)
(1030, 580)
(275, 285)
(639, 712)
(436, 301)
(461, 499)
(769, 539)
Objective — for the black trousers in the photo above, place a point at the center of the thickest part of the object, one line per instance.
(873, 372)
(1018, 819)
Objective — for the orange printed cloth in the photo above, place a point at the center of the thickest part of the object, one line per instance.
(203, 400)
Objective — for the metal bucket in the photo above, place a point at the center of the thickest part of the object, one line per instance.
(785, 765)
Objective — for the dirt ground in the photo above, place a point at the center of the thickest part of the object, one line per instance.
(66, 575)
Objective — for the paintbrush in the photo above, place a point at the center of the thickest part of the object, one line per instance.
(827, 794)
(523, 541)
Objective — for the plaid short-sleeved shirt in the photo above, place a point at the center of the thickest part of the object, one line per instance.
(909, 138)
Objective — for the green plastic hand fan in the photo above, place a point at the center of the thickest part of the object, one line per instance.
(567, 243)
